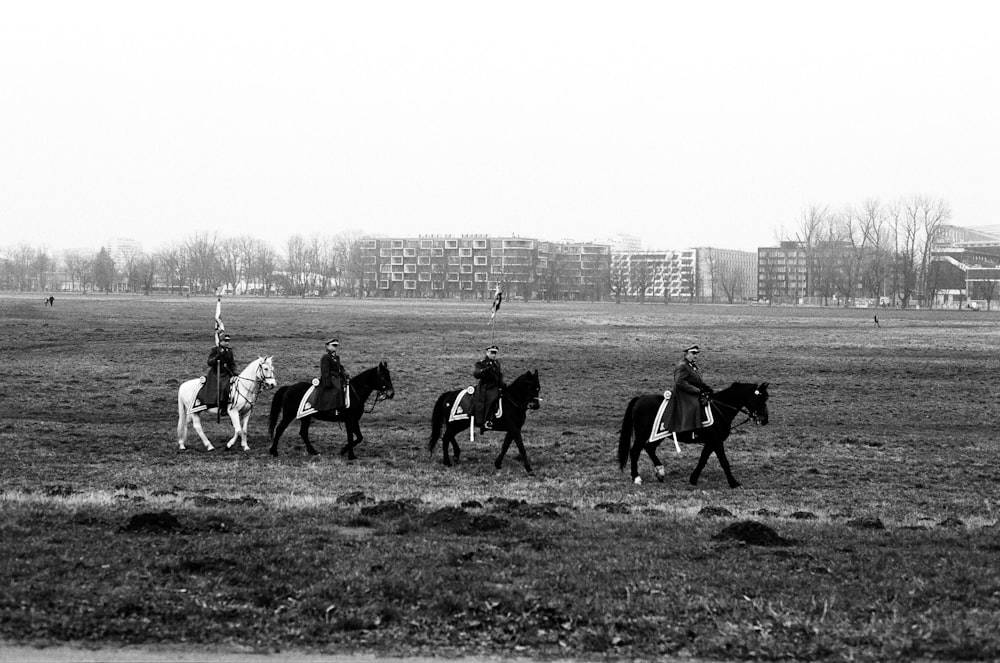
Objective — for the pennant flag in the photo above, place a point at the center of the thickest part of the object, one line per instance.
(497, 298)
(219, 327)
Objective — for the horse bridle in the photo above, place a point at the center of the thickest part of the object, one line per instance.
(260, 378)
(753, 416)
(379, 393)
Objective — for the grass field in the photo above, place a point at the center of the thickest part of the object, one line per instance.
(878, 469)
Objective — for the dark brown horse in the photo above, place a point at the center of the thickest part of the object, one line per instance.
(517, 398)
(748, 398)
(286, 404)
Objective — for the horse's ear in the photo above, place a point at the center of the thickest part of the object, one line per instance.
(763, 386)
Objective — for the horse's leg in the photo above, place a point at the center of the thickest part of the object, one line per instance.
(634, 454)
(241, 422)
(304, 434)
(447, 440)
(455, 451)
(520, 449)
(507, 439)
(278, 430)
(353, 438)
(720, 453)
(234, 417)
(706, 451)
(657, 464)
(196, 422)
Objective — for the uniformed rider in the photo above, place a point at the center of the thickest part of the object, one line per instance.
(333, 379)
(690, 394)
(222, 368)
(490, 375)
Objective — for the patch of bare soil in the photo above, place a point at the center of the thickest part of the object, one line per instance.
(753, 533)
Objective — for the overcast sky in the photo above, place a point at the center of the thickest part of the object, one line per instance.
(685, 123)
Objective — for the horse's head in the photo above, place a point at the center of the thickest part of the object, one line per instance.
(265, 372)
(527, 388)
(384, 381)
(757, 404)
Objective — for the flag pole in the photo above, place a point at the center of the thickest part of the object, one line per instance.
(218, 372)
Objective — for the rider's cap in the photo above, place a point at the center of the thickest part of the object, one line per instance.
(692, 348)
(493, 348)
(333, 341)
(225, 337)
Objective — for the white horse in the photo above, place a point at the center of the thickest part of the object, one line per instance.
(243, 393)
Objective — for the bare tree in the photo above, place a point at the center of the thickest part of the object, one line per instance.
(79, 266)
(146, 271)
(265, 264)
(641, 277)
(618, 278)
(202, 260)
(350, 261)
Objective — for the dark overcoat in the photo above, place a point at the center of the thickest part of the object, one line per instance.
(332, 383)
(683, 412)
(490, 375)
(222, 366)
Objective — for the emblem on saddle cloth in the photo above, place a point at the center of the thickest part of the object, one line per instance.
(660, 432)
(461, 409)
(307, 406)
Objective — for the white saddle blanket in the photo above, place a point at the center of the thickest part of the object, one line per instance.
(461, 409)
(659, 432)
(305, 405)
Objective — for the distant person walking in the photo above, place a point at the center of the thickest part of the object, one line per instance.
(876, 320)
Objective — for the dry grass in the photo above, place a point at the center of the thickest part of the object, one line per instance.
(890, 424)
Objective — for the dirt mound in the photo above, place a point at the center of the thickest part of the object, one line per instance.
(356, 497)
(612, 507)
(390, 509)
(866, 523)
(450, 518)
(753, 533)
(715, 512)
(488, 523)
(159, 522)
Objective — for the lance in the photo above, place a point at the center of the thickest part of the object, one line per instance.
(219, 327)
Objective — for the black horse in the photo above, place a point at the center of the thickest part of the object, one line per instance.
(517, 398)
(748, 398)
(286, 404)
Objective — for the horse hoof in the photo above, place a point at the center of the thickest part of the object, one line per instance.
(735, 485)
(660, 474)
(693, 481)
(209, 448)
(637, 481)
(343, 450)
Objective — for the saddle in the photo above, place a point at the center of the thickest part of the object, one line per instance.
(307, 406)
(462, 408)
(201, 403)
(660, 432)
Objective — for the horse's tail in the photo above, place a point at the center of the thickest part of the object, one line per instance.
(437, 419)
(625, 439)
(276, 404)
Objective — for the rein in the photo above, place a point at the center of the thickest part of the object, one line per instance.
(738, 410)
(258, 379)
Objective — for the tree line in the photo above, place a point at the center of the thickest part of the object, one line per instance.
(874, 250)
(202, 263)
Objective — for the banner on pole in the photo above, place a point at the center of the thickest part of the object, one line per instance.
(497, 299)
(219, 327)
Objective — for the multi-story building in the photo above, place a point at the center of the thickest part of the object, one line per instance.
(666, 275)
(474, 265)
(783, 273)
(725, 275)
(703, 274)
